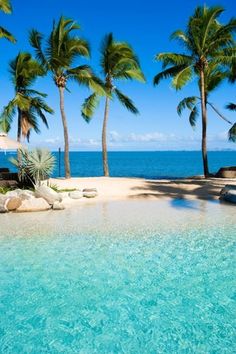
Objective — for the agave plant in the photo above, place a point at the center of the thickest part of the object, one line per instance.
(36, 165)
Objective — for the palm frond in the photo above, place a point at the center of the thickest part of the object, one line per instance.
(168, 73)
(89, 106)
(232, 133)
(193, 116)
(7, 35)
(218, 112)
(35, 39)
(231, 106)
(126, 101)
(7, 116)
(5, 6)
(182, 78)
(187, 102)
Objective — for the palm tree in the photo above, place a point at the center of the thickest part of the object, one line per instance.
(5, 6)
(27, 102)
(205, 41)
(214, 76)
(62, 49)
(118, 62)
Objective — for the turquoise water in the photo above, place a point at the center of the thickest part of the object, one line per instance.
(133, 277)
(148, 164)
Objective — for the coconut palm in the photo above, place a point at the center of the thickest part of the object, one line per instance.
(58, 57)
(118, 62)
(214, 76)
(205, 41)
(5, 6)
(28, 103)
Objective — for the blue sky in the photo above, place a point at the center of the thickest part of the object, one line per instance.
(147, 27)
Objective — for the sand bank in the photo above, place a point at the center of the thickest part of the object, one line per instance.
(112, 188)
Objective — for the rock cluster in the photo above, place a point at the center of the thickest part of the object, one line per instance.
(42, 198)
(228, 193)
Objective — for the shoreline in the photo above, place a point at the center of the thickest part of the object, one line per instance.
(123, 188)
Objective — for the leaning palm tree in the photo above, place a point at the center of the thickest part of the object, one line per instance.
(5, 6)
(61, 51)
(118, 62)
(214, 76)
(28, 103)
(205, 41)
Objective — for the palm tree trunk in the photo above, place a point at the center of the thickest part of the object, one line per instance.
(66, 137)
(19, 140)
(104, 139)
(19, 126)
(204, 124)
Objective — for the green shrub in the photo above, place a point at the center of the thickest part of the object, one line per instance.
(35, 165)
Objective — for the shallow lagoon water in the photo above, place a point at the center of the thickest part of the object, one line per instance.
(119, 277)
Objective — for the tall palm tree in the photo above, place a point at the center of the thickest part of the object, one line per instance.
(27, 102)
(118, 62)
(61, 51)
(5, 6)
(205, 41)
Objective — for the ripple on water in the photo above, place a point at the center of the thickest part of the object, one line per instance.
(138, 278)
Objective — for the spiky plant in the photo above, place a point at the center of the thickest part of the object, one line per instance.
(205, 41)
(28, 103)
(58, 57)
(36, 165)
(118, 62)
(5, 6)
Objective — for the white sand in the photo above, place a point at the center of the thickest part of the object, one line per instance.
(110, 188)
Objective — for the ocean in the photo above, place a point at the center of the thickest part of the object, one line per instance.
(144, 164)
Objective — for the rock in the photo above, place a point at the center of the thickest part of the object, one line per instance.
(13, 203)
(228, 193)
(227, 172)
(64, 195)
(3, 201)
(13, 193)
(229, 196)
(76, 194)
(21, 193)
(33, 204)
(58, 206)
(227, 188)
(48, 194)
(90, 192)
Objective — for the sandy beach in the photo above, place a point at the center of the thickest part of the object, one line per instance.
(111, 188)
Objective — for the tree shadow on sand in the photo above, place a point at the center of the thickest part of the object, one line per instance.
(181, 189)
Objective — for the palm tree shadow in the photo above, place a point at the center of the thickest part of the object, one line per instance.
(183, 193)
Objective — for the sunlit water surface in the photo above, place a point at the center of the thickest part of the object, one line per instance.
(122, 277)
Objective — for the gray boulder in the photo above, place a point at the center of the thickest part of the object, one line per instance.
(76, 194)
(58, 206)
(3, 202)
(90, 192)
(228, 193)
(33, 204)
(48, 194)
(227, 172)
